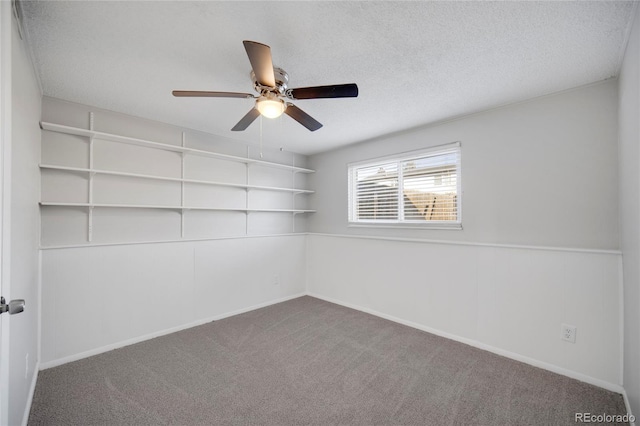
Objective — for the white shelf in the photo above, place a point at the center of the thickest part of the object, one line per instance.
(182, 208)
(171, 179)
(163, 146)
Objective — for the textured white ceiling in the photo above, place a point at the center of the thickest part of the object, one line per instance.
(414, 62)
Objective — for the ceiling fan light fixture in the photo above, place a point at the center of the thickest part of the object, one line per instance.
(270, 107)
(272, 85)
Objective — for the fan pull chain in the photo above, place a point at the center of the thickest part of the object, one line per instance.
(260, 136)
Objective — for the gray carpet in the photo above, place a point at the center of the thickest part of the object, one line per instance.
(307, 361)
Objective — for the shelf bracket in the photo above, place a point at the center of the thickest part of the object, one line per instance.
(91, 175)
(182, 188)
(293, 194)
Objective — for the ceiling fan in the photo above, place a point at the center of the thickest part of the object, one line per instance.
(273, 94)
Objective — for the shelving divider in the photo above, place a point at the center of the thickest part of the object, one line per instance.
(91, 175)
(182, 155)
(293, 195)
(246, 195)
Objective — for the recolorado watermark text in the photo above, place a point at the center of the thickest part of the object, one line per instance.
(604, 418)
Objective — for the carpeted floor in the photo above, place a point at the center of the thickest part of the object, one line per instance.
(307, 361)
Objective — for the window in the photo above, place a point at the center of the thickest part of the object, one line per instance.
(418, 188)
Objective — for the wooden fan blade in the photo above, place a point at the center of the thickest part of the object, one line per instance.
(246, 120)
(333, 91)
(260, 57)
(302, 117)
(195, 93)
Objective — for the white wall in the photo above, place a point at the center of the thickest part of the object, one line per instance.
(542, 172)
(24, 269)
(99, 298)
(509, 300)
(118, 288)
(538, 248)
(629, 141)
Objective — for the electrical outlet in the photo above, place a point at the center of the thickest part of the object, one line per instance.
(568, 333)
(276, 279)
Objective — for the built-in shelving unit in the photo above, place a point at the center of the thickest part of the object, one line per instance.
(182, 208)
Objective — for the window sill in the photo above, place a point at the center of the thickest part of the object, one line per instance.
(421, 226)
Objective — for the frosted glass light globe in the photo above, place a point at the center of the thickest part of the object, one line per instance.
(270, 108)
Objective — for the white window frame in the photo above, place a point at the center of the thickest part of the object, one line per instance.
(400, 158)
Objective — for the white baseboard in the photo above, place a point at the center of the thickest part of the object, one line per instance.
(628, 407)
(117, 345)
(512, 355)
(32, 391)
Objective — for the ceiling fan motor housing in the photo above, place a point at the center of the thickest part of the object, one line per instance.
(282, 80)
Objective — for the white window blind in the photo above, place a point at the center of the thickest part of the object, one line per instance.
(420, 188)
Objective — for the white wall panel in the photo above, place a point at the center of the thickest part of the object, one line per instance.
(214, 196)
(135, 159)
(234, 273)
(70, 224)
(265, 176)
(113, 122)
(201, 140)
(64, 186)
(591, 298)
(207, 224)
(64, 150)
(270, 199)
(527, 306)
(117, 225)
(212, 169)
(72, 307)
(97, 298)
(143, 288)
(261, 223)
(121, 190)
(512, 299)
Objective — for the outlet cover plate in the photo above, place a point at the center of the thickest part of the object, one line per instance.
(568, 333)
